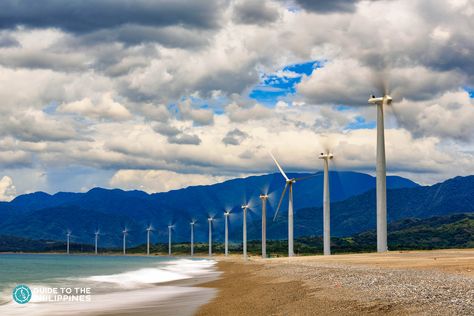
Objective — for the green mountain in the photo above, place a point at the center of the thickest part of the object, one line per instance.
(44, 216)
(358, 213)
(450, 231)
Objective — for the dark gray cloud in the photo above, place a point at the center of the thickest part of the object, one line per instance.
(132, 34)
(184, 139)
(91, 15)
(43, 60)
(254, 12)
(325, 6)
(235, 137)
(166, 130)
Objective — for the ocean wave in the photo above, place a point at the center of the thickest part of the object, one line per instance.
(166, 272)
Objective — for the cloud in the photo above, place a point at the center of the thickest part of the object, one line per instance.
(334, 84)
(174, 36)
(179, 78)
(154, 112)
(7, 189)
(184, 139)
(105, 108)
(323, 6)
(36, 126)
(239, 113)
(22, 58)
(198, 116)
(447, 117)
(6, 40)
(234, 137)
(166, 129)
(153, 181)
(15, 158)
(254, 12)
(89, 15)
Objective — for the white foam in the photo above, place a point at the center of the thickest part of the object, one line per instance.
(135, 292)
(168, 271)
(163, 300)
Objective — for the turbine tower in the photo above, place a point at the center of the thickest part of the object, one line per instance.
(326, 204)
(125, 233)
(288, 185)
(210, 219)
(226, 235)
(244, 230)
(97, 233)
(169, 239)
(192, 237)
(264, 198)
(148, 231)
(68, 235)
(381, 172)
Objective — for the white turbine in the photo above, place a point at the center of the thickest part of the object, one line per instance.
(97, 233)
(288, 184)
(210, 219)
(326, 205)
(148, 231)
(226, 235)
(192, 237)
(264, 198)
(244, 230)
(170, 227)
(125, 233)
(381, 172)
(68, 235)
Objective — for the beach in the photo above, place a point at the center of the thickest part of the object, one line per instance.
(439, 282)
(113, 285)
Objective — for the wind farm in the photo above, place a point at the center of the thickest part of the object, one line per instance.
(236, 157)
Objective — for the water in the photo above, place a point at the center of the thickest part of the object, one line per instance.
(130, 284)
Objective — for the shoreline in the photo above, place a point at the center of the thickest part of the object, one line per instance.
(180, 296)
(437, 282)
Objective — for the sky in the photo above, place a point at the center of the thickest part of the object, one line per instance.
(157, 95)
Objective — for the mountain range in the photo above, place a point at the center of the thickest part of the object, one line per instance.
(43, 216)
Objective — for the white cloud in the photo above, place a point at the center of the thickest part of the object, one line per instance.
(167, 99)
(238, 113)
(106, 107)
(7, 189)
(159, 180)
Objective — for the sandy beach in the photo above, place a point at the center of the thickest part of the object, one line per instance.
(437, 282)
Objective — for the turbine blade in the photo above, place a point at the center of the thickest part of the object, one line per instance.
(279, 167)
(281, 200)
(306, 177)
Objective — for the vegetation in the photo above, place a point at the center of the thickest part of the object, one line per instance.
(453, 231)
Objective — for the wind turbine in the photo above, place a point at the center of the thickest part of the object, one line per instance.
(68, 235)
(244, 230)
(289, 184)
(326, 204)
(148, 231)
(97, 233)
(381, 172)
(169, 239)
(192, 237)
(226, 236)
(264, 198)
(125, 233)
(210, 219)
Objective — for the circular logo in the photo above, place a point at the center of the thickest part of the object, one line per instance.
(22, 294)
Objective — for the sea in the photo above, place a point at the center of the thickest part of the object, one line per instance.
(103, 284)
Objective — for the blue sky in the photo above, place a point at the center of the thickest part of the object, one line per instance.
(276, 86)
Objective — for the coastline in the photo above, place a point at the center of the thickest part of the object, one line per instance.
(394, 283)
(131, 292)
